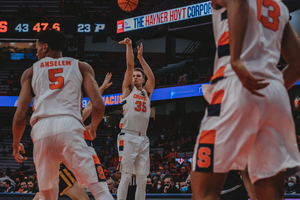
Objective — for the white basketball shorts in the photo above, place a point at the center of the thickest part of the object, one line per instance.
(64, 142)
(134, 153)
(241, 129)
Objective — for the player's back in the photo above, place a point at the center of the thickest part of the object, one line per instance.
(56, 84)
(262, 44)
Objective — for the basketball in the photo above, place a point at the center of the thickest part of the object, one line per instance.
(128, 5)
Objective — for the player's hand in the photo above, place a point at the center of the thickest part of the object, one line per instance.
(247, 79)
(16, 153)
(106, 84)
(91, 131)
(140, 51)
(126, 41)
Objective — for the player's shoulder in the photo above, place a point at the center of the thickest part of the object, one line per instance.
(27, 74)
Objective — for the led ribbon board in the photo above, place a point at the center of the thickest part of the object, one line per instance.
(164, 17)
(115, 99)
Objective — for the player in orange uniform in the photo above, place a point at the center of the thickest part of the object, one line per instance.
(57, 127)
(133, 143)
(248, 120)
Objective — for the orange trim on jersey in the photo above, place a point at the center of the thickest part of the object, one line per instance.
(87, 135)
(33, 107)
(123, 112)
(96, 159)
(121, 125)
(121, 143)
(224, 39)
(217, 97)
(219, 73)
(120, 158)
(259, 5)
(207, 137)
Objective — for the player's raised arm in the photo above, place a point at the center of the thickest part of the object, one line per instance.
(127, 82)
(88, 108)
(237, 31)
(290, 50)
(19, 121)
(93, 93)
(150, 84)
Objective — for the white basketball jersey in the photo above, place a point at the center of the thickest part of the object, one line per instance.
(262, 44)
(56, 84)
(136, 112)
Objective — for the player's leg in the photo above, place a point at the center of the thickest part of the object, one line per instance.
(128, 146)
(207, 186)
(269, 166)
(47, 166)
(142, 168)
(79, 159)
(271, 188)
(69, 186)
(77, 193)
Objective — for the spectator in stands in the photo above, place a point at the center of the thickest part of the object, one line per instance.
(156, 186)
(114, 161)
(187, 164)
(23, 188)
(107, 157)
(183, 174)
(169, 186)
(7, 187)
(110, 143)
(156, 157)
(19, 174)
(172, 154)
(117, 183)
(150, 184)
(18, 185)
(111, 186)
(183, 187)
(156, 177)
(292, 186)
(31, 187)
(188, 145)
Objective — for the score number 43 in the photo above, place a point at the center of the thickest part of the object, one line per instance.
(37, 27)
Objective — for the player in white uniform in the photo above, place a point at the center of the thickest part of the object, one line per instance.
(57, 127)
(243, 126)
(68, 184)
(133, 143)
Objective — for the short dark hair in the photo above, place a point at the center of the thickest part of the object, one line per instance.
(140, 70)
(7, 182)
(55, 39)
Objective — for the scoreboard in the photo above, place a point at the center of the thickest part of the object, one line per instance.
(29, 28)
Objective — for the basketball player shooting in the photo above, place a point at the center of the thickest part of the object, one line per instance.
(249, 107)
(133, 143)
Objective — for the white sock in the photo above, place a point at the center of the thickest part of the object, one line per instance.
(141, 182)
(100, 191)
(123, 186)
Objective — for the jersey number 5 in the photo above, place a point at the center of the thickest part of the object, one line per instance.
(273, 14)
(140, 106)
(53, 78)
